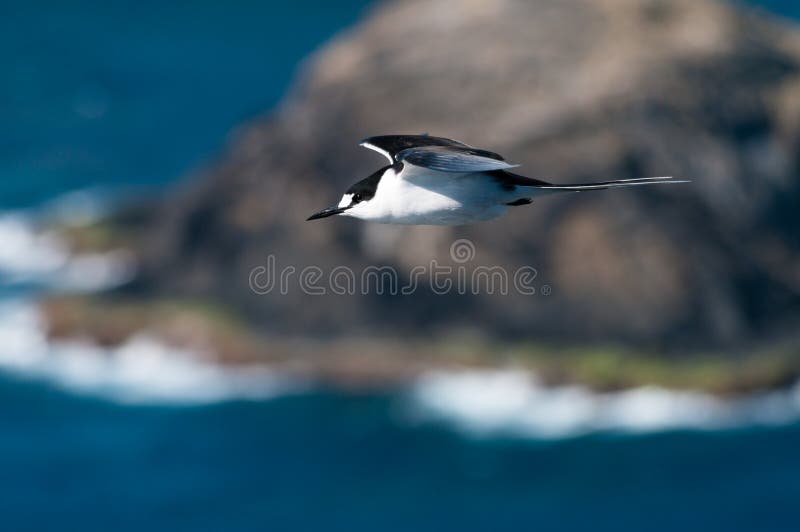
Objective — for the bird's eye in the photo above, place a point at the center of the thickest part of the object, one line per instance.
(356, 198)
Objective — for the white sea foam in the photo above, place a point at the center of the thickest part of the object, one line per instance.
(512, 402)
(31, 255)
(141, 370)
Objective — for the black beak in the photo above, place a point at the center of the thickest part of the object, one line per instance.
(324, 213)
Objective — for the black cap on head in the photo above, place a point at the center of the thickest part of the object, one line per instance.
(364, 190)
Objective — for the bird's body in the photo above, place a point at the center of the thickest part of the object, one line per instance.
(438, 181)
(424, 198)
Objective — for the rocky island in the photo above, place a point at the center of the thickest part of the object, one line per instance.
(692, 286)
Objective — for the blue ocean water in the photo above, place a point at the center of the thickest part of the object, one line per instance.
(132, 93)
(346, 462)
(135, 93)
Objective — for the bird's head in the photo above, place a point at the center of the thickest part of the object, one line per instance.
(356, 201)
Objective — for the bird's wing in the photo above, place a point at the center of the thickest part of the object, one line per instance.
(453, 159)
(390, 145)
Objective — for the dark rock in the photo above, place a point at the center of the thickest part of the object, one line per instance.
(575, 90)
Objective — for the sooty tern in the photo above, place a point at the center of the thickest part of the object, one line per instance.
(439, 181)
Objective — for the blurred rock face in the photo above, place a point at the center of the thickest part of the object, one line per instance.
(575, 90)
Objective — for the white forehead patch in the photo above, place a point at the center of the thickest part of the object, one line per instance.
(347, 199)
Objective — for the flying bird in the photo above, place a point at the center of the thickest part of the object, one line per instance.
(439, 181)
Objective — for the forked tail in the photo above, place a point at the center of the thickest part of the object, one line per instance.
(610, 184)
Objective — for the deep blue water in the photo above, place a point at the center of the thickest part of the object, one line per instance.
(135, 93)
(341, 462)
(102, 93)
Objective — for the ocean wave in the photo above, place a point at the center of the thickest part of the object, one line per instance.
(31, 255)
(515, 403)
(142, 370)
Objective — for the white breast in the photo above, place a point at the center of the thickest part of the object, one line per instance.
(421, 196)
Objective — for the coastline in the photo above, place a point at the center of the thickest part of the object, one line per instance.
(90, 340)
(381, 362)
(473, 397)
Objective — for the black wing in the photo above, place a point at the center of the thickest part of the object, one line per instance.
(391, 145)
